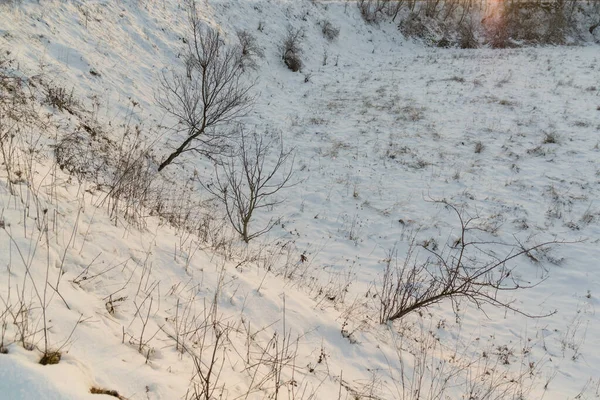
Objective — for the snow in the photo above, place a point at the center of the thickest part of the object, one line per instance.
(380, 130)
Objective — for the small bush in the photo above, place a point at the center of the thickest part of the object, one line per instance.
(83, 153)
(414, 26)
(371, 10)
(557, 29)
(293, 62)
(530, 23)
(330, 32)
(479, 147)
(444, 43)
(61, 99)
(292, 50)
(122, 168)
(550, 138)
(51, 358)
(466, 36)
(249, 49)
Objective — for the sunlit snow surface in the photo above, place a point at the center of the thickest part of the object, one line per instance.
(381, 126)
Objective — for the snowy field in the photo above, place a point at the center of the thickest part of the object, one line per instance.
(385, 132)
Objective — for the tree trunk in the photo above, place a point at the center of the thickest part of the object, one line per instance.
(176, 153)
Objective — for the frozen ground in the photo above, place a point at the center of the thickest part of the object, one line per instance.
(381, 127)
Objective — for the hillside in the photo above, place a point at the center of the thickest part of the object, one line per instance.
(409, 163)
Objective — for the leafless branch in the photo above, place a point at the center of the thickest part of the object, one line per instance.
(210, 93)
(467, 269)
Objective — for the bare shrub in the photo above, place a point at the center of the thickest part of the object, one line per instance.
(523, 23)
(557, 28)
(210, 94)
(415, 26)
(61, 99)
(371, 10)
(41, 300)
(246, 182)
(467, 38)
(16, 114)
(476, 370)
(550, 138)
(497, 34)
(123, 169)
(271, 363)
(83, 152)
(469, 269)
(330, 32)
(479, 147)
(507, 24)
(203, 337)
(531, 23)
(291, 50)
(432, 8)
(249, 48)
(9, 151)
(208, 367)
(130, 183)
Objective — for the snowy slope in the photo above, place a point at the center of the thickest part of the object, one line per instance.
(380, 126)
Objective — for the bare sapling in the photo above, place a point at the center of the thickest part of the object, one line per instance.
(209, 94)
(248, 181)
(467, 269)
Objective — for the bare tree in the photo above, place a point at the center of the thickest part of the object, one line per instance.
(247, 182)
(209, 94)
(469, 270)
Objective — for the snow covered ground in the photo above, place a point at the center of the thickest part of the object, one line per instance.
(382, 127)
